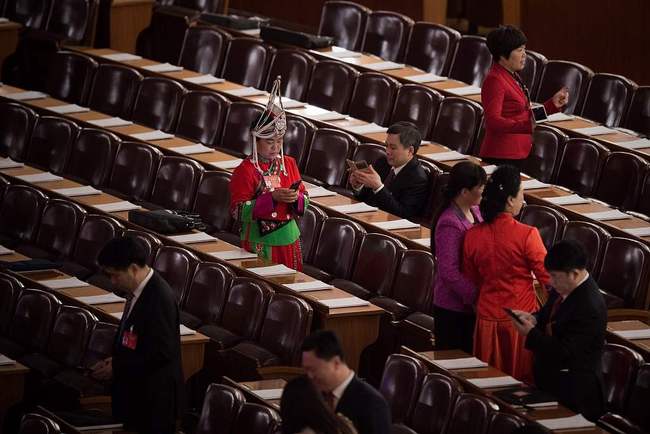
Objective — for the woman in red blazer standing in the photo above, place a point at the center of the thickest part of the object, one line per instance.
(508, 117)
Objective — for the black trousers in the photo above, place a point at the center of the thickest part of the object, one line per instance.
(454, 330)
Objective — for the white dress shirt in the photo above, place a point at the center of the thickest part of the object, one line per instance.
(340, 389)
(138, 292)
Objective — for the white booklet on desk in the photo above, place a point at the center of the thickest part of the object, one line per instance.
(342, 54)
(462, 363)
(569, 199)
(5, 251)
(354, 208)
(334, 303)
(465, 90)
(639, 232)
(227, 164)
(268, 393)
(117, 206)
(40, 177)
(68, 109)
(272, 270)
(163, 67)
(192, 149)
(8, 163)
(425, 78)
(557, 117)
(121, 57)
(320, 192)
(25, 96)
(367, 129)
(329, 116)
(396, 224)
(487, 383)
(71, 282)
(384, 66)
(197, 237)
(101, 299)
(152, 135)
(635, 144)
(534, 184)
(607, 215)
(314, 285)
(245, 91)
(186, 331)
(594, 131)
(110, 122)
(86, 190)
(446, 156)
(230, 255)
(634, 334)
(204, 79)
(5, 361)
(571, 422)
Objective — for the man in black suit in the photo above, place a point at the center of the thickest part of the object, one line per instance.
(146, 363)
(343, 391)
(568, 334)
(397, 183)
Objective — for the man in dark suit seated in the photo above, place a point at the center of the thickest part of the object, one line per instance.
(343, 391)
(568, 334)
(146, 364)
(397, 183)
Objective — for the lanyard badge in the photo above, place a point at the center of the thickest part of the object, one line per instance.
(129, 339)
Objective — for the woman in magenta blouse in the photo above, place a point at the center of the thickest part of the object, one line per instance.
(453, 294)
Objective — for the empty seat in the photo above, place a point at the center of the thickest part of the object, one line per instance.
(16, 125)
(310, 224)
(417, 104)
(176, 265)
(373, 98)
(548, 221)
(505, 423)
(221, 407)
(134, 169)
(73, 20)
(92, 156)
(471, 414)
(10, 289)
(608, 98)
(201, 117)
(236, 137)
(331, 85)
(212, 201)
(295, 67)
(247, 62)
(176, 183)
(32, 14)
(560, 73)
(69, 76)
(204, 49)
(297, 138)
(57, 231)
(472, 60)
(51, 143)
(431, 47)
(458, 124)
(400, 385)
(620, 365)
(435, 403)
(548, 144)
(593, 238)
(387, 34)
(151, 243)
(114, 89)
(327, 154)
(638, 115)
(345, 21)
(163, 39)
(625, 273)
(206, 296)
(377, 252)
(95, 232)
(258, 419)
(638, 396)
(643, 205)
(157, 103)
(531, 75)
(620, 180)
(20, 213)
(336, 250)
(580, 165)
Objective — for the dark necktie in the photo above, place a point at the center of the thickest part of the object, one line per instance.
(390, 178)
(125, 313)
(551, 317)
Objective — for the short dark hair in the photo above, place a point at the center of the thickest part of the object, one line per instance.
(504, 182)
(502, 40)
(409, 135)
(465, 174)
(121, 252)
(566, 255)
(324, 343)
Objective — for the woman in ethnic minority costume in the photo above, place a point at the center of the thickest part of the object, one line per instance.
(267, 193)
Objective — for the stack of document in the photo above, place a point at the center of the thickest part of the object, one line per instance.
(367, 129)
(197, 237)
(571, 422)
(25, 96)
(594, 131)
(86, 190)
(71, 282)
(204, 79)
(426, 78)
(447, 156)
(152, 135)
(163, 67)
(121, 57)
(227, 164)
(607, 215)
(384, 66)
(396, 224)
(272, 270)
(339, 54)
(334, 303)
(320, 192)
(314, 285)
(40, 177)
(465, 90)
(354, 208)
(245, 91)
(110, 122)
(487, 383)
(230, 255)
(192, 149)
(462, 363)
(570, 199)
(68, 109)
(117, 206)
(634, 334)
(101, 299)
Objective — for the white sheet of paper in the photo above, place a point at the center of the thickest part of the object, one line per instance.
(635, 144)
(329, 116)
(314, 285)
(396, 224)
(192, 149)
(68, 108)
(268, 393)
(227, 164)
(489, 169)
(4, 360)
(424, 241)
(101, 299)
(447, 156)
(111, 122)
(25, 96)
(320, 192)
(602, 216)
(486, 383)
(367, 129)
(639, 232)
(117, 206)
(634, 334)
(533, 184)
(594, 131)
(312, 110)
(339, 54)
(71, 282)
(230, 255)
(163, 67)
(272, 270)
(40, 177)
(8, 163)
(5, 251)
(86, 190)
(425, 78)
(186, 331)
(198, 237)
(570, 199)
(245, 91)
(462, 363)
(384, 66)
(353, 208)
(205, 79)
(152, 135)
(557, 117)
(121, 57)
(4, 20)
(465, 90)
(292, 103)
(577, 421)
(344, 302)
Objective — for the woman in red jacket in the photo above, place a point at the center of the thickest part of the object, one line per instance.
(508, 117)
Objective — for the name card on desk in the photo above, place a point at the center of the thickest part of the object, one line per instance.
(268, 393)
(101, 299)
(570, 199)
(465, 90)
(594, 131)
(384, 66)
(69, 109)
(163, 67)
(117, 206)
(230, 255)
(227, 164)
(462, 363)
(577, 421)
(334, 303)
(273, 270)
(8, 163)
(396, 224)
(315, 285)
(71, 282)
(86, 190)
(204, 79)
(634, 334)
(354, 208)
(192, 149)
(367, 129)
(245, 91)
(198, 237)
(557, 117)
(446, 156)
(534, 184)
(426, 78)
(110, 122)
(26, 96)
(607, 215)
(320, 192)
(5, 251)
(639, 232)
(487, 383)
(635, 144)
(121, 57)
(40, 177)
(152, 135)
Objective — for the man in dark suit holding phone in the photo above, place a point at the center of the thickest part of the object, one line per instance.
(146, 363)
(397, 183)
(568, 334)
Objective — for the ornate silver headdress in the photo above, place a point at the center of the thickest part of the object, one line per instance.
(272, 123)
